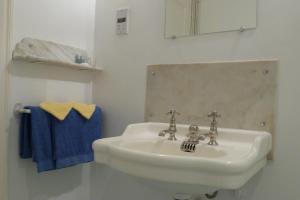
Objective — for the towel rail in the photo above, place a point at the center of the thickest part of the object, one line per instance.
(19, 108)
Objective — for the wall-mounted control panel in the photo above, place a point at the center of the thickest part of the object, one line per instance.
(122, 21)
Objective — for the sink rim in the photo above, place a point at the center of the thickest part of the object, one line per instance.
(189, 170)
(201, 163)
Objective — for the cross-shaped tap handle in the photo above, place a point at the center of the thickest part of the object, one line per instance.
(214, 115)
(173, 112)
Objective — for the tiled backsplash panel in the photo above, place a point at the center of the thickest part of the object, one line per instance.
(244, 93)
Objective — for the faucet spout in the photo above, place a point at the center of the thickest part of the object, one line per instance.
(163, 133)
(193, 137)
(172, 126)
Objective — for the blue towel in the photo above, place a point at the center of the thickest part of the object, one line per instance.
(25, 150)
(55, 144)
(74, 138)
(36, 138)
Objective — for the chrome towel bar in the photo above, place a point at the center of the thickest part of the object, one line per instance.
(19, 108)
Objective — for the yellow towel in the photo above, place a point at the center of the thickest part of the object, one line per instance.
(86, 110)
(58, 110)
(61, 110)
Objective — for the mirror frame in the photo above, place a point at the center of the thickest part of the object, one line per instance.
(241, 29)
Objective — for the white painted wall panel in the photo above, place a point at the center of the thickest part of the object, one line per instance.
(121, 89)
(68, 22)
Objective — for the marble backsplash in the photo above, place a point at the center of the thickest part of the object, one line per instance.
(244, 93)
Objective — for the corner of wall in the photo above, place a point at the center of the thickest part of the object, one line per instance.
(5, 57)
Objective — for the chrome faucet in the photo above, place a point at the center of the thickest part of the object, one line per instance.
(213, 131)
(172, 126)
(194, 136)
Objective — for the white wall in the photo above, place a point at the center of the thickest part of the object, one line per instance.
(3, 62)
(121, 88)
(68, 22)
(31, 84)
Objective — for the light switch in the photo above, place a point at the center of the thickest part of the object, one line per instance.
(122, 21)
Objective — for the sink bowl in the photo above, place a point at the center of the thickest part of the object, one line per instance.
(142, 153)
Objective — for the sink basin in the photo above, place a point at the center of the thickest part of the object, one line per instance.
(142, 153)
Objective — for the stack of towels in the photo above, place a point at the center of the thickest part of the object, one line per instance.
(59, 135)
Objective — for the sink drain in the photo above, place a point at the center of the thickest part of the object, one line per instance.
(188, 147)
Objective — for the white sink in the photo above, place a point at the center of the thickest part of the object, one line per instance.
(142, 153)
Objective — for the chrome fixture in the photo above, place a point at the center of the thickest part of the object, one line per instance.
(79, 59)
(242, 29)
(213, 131)
(263, 124)
(172, 126)
(193, 137)
(19, 108)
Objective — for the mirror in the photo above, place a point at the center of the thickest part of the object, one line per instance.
(195, 17)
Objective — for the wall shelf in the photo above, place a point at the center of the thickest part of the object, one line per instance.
(39, 51)
(58, 63)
